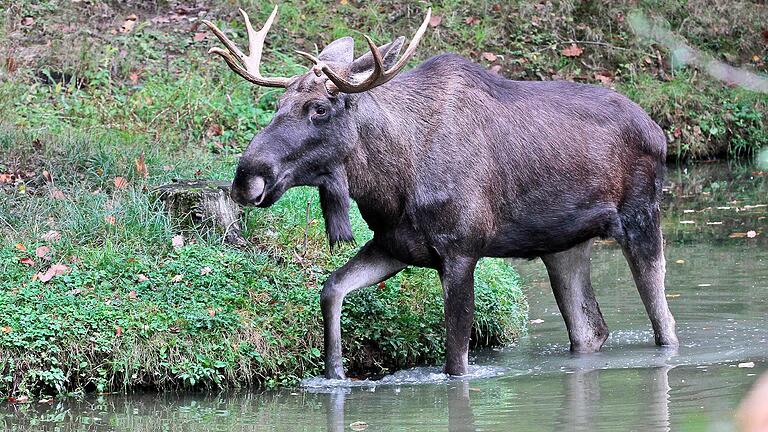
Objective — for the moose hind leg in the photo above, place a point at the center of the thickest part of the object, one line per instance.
(371, 265)
(643, 247)
(569, 275)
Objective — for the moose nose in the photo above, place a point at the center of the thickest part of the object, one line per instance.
(250, 193)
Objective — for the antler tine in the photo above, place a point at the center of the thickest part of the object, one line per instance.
(378, 76)
(252, 61)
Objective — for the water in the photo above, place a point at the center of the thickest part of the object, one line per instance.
(717, 288)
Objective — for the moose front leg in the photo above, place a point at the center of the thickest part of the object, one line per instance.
(371, 265)
(458, 277)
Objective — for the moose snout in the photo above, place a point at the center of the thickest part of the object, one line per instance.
(248, 191)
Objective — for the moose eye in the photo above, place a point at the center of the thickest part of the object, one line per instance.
(320, 111)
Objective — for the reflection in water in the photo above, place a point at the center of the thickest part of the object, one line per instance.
(460, 415)
(717, 290)
(583, 398)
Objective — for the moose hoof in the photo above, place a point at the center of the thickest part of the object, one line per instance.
(335, 372)
(668, 341)
(590, 344)
(455, 370)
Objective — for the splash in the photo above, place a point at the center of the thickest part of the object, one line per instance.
(414, 376)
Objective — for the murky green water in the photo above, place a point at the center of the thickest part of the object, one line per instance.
(718, 289)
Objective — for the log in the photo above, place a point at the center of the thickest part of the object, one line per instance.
(203, 204)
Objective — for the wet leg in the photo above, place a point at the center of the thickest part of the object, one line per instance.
(457, 276)
(644, 251)
(371, 265)
(569, 275)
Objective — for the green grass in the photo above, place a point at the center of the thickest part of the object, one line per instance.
(65, 76)
(133, 311)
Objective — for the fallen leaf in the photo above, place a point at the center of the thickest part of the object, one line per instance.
(211, 312)
(737, 235)
(19, 400)
(132, 294)
(205, 270)
(358, 426)
(58, 194)
(167, 167)
(120, 182)
(129, 24)
(177, 278)
(472, 20)
(10, 66)
(605, 78)
(572, 51)
(27, 261)
(76, 291)
(45, 401)
(109, 219)
(42, 251)
(177, 241)
(142, 277)
(118, 331)
(141, 166)
(6, 178)
(47, 176)
(199, 36)
(495, 69)
(51, 236)
(747, 365)
(20, 247)
(435, 20)
(54, 270)
(6, 329)
(382, 285)
(496, 7)
(491, 57)
(27, 21)
(751, 234)
(134, 78)
(214, 130)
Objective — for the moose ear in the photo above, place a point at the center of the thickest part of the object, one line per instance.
(339, 51)
(389, 53)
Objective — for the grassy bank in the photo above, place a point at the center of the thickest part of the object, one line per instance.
(131, 309)
(141, 67)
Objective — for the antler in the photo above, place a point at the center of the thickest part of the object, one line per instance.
(236, 59)
(378, 76)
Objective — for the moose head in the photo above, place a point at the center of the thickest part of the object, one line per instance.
(309, 136)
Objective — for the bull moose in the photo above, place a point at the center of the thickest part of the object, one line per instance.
(449, 163)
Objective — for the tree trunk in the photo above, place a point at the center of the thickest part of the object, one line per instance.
(203, 203)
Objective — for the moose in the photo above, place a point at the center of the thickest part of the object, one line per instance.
(449, 163)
